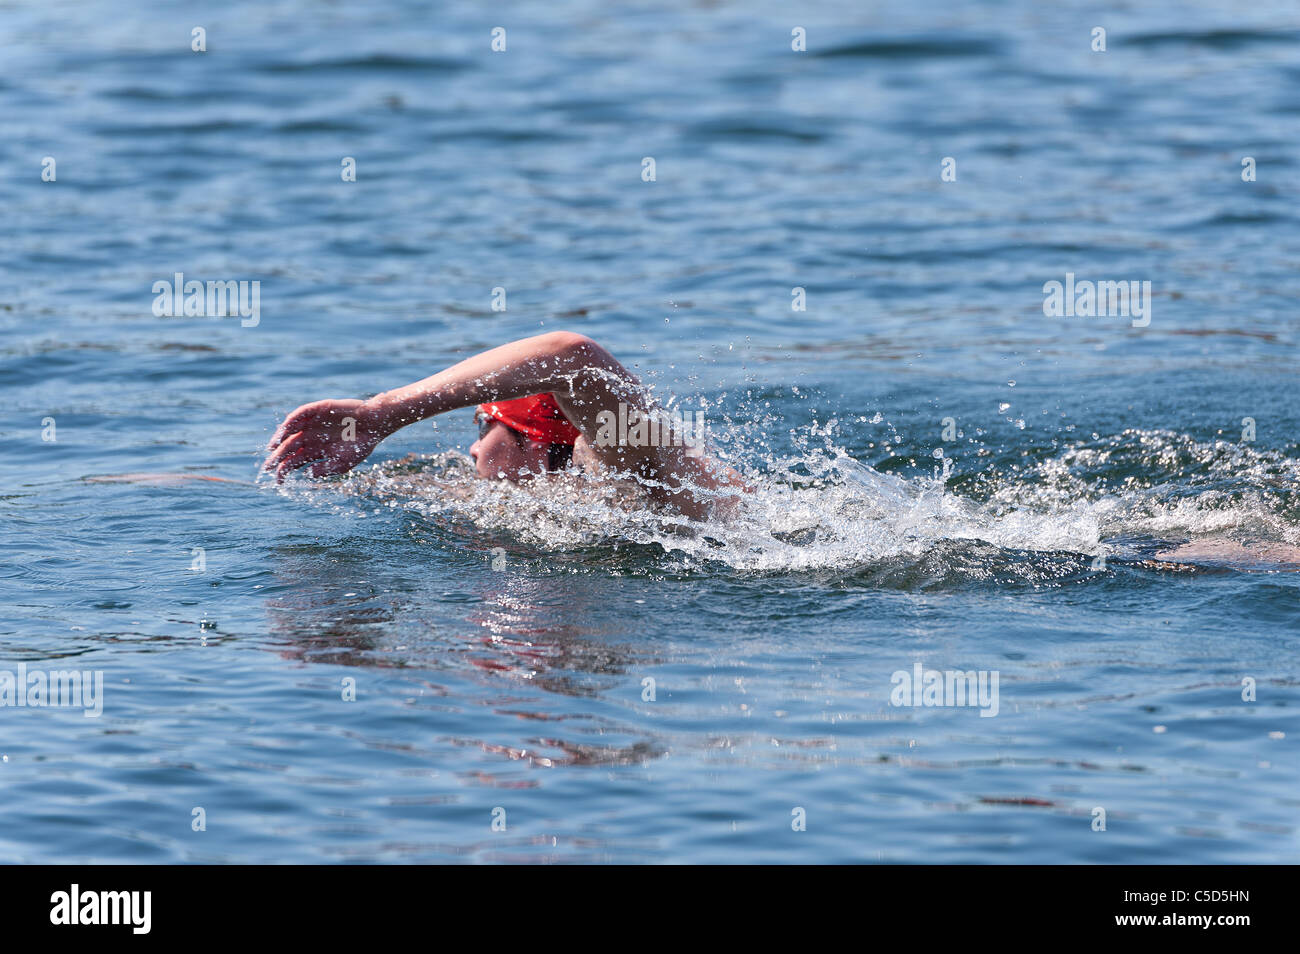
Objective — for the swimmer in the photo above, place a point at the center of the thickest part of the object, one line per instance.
(543, 403)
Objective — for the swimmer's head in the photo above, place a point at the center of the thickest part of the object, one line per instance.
(522, 438)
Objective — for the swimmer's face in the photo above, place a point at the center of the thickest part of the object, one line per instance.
(501, 453)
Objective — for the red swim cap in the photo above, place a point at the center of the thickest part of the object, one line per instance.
(537, 416)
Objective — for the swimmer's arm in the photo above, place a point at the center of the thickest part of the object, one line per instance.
(584, 377)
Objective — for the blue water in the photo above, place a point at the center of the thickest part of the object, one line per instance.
(771, 648)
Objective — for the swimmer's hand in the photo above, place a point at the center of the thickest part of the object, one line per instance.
(331, 437)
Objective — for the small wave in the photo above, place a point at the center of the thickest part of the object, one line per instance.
(380, 62)
(789, 128)
(916, 48)
(318, 125)
(1214, 39)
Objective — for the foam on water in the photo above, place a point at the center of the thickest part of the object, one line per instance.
(1132, 497)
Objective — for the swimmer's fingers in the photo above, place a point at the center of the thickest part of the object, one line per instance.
(291, 446)
(281, 432)
(293, 461)
(303, 456)
(309, 418)
(319, 468)
(278, 436)
(297, 420)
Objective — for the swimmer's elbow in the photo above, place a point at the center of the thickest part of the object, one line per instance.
(578, 352)
(583, 365)
(565, 344)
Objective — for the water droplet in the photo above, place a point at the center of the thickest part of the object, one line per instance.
(1003, 406)
(1011, 383)
(1159, 729)
(937, 452)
